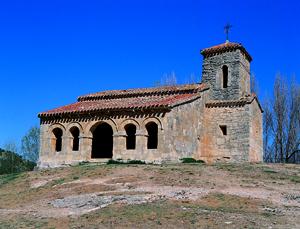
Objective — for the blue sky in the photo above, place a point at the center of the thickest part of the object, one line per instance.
(53, 51)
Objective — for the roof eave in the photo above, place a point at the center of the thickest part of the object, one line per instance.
(109, 110)
(210, 52)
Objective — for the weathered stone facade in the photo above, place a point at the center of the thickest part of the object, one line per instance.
(211, 121)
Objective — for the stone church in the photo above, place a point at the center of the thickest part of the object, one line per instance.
(215, 120)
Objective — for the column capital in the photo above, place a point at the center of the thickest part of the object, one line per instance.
(141, 133)
(85, 137)
(120, 134)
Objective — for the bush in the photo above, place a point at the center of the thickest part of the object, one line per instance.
(191, 160)
(120, 162)
(136, 162)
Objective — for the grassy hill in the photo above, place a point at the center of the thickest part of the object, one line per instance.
(153, 196)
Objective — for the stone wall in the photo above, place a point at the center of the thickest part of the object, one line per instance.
(238, 77)
(231, 147)
(183, 130)
(256, 133)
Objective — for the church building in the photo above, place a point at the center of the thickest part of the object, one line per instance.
(215, 120)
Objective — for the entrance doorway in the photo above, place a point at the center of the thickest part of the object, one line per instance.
(102, 144)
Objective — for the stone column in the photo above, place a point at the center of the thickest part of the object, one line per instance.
(141, 141)
(85, 147)
(65, 147)
(65, 154)
(119, 144)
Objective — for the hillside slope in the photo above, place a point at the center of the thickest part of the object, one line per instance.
(153, 196)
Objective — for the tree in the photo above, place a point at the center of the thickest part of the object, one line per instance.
(167, 80)
(12, 149)
(192, 79)
(31, 144)
(11, 146)
(267, 130)
(282, 123)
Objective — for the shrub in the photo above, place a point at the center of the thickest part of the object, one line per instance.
(191, 160)
(132, 162)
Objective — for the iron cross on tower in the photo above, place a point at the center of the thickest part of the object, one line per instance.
(227, 27)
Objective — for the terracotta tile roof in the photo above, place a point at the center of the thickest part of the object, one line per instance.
(131, 100)
(165, 90)
(225, 47)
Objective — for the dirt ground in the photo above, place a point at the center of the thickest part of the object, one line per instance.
(153, 196)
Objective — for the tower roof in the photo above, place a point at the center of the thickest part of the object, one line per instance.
(225, 47)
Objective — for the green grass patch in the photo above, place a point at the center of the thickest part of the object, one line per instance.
(295, 179)
(226, 167)
(188, 160)
(4, 179)
(129, 162)
(270, 171)
(58, 181)
(229, 203)
(82, 163)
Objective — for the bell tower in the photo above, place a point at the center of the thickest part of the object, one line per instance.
(226, 69)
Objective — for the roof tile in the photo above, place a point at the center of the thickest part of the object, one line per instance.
(225, 47)
(147, 98)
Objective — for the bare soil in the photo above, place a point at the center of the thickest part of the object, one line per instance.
(153, 196)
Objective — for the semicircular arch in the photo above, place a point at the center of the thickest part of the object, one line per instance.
(57, 125)
(72, 125)
(129, 121)
(93, 125)
(155, 120)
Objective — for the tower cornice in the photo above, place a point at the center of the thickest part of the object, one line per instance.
(225, 47)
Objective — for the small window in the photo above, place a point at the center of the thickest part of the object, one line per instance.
(75, 135)
(225, 76)
(130, 139)
(58, 139)
(152, 130)
(223, 129)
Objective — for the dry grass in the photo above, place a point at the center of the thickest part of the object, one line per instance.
(182, 196)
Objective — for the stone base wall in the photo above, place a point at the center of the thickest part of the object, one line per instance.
(234, 146)
(183, 129)
(256, 133)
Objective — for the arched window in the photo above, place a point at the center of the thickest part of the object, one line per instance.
(225, 76)
(130, 139)
(57, 132)
(152, 130)
(75, 134)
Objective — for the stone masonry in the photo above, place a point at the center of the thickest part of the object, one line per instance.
(216, 120)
